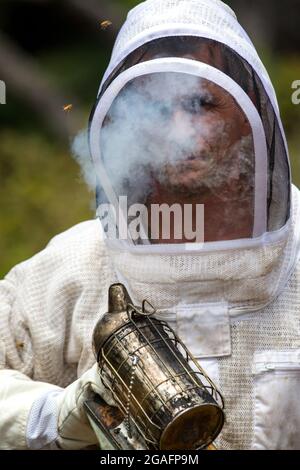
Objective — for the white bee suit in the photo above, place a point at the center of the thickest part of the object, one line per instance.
(51, 311)
(238, 313)
(235, 303)
(48, 308)
(223, 297)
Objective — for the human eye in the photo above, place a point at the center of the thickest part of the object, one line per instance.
(164, 109)
(196, 104)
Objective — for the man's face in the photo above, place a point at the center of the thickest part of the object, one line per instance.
(200, 150)
(220, 137)
(173, 137)
(180, 132)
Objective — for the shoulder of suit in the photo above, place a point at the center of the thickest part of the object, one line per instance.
(87, 232)
(81, 248)
(75, 255)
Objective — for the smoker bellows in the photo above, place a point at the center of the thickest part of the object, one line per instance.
(165, 400)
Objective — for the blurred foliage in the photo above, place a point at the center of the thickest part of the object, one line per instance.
(41, 194)
(284, 70)
(41, 190)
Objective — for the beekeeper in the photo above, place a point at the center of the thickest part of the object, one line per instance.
(186, 123)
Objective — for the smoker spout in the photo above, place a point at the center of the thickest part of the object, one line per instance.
(118, 298)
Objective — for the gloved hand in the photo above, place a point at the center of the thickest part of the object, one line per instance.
(39, 415)
(74, 430)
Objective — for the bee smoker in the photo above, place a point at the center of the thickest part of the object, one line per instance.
(165, 400)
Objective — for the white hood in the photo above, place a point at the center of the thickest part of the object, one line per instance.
(244, 274)
(212, 19)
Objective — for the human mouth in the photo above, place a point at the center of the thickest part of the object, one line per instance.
(201, 157)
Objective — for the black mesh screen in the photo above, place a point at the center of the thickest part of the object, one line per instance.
(228, 61)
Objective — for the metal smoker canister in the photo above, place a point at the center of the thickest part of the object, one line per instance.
(147, 368)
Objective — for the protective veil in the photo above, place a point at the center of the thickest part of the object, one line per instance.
(186, 114)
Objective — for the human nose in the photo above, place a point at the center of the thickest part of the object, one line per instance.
(181, 126)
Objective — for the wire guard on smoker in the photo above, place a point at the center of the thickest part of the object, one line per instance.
(164, 394)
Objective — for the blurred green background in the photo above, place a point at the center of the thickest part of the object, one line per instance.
(53, 53)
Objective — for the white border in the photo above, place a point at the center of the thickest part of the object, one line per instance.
(208, 72)
(231, 40)
(242, 45)
(267, 238)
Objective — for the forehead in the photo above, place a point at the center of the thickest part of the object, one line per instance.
(172, 84)
(195, 48)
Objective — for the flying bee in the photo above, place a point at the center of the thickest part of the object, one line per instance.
(105, 24)
(67, 107)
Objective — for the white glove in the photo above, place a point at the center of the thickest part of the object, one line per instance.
(74, 430)
(39, 415)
